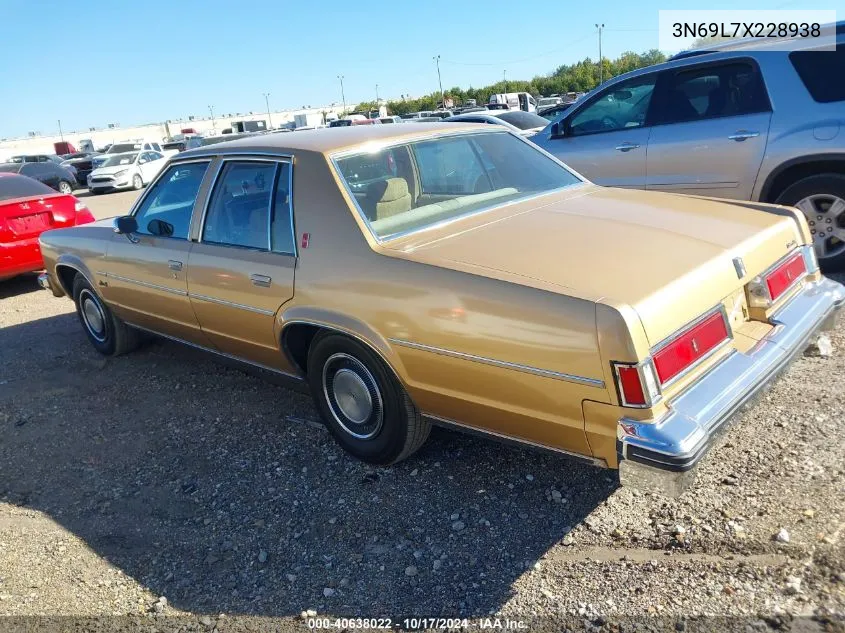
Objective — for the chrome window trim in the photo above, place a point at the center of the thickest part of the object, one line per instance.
(146, 284)
(545, 373)
(394, 142)
(699, 361)
(231, 304)
(250, 158)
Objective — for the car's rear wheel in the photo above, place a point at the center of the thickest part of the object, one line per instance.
(108, 333)
(137, 183)
(821, 199)
(65, 187)
(362, 403)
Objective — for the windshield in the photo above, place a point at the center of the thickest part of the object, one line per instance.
(120, 159)
(412, 186)
(523, 120)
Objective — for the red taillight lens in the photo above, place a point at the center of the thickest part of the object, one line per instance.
(83, 215)
(689, 346)
(630, 385)
(781, 278)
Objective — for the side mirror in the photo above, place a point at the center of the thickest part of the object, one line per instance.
(142, 161)
(125, 225)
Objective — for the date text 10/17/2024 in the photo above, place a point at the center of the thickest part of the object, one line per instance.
(416, 624)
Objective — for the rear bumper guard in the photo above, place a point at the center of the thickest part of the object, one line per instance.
(661, 455)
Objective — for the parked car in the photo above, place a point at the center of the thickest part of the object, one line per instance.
(130, 146)
(552, 113)
(82, 162)
(130, 170)
(705, 124)
(547, 102)
(27, 209)
(183, 144)
(390, 119)
(44, 158)
(522, 122)
(625, 328)
(49, 173)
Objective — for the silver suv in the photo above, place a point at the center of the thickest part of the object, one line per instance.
(734, 121)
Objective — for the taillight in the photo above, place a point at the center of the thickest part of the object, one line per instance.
(83, 214)
(636, 384)
(765, 289)
(689, 345)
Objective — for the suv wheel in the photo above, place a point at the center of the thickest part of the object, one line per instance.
(821, 199)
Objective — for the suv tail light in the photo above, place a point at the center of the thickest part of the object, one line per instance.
(690, 345)
(768, 287)
(636, 384)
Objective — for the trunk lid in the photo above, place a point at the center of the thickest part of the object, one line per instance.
(26, 218)
(644, 249)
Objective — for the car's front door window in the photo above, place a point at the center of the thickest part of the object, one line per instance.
(621, 107)
(166, 210)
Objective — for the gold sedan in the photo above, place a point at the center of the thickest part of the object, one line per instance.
(459, 275)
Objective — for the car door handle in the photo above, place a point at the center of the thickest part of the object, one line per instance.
(260, 280)
(174, 265)
(626, 147)
(741, 135)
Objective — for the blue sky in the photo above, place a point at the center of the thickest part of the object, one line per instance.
(92, 62)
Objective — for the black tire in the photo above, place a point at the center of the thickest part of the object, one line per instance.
(65, 187)
(113, 337)
(393, 430)
(822, 185)
(137, 182)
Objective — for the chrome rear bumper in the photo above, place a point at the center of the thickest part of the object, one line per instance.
(660, 455)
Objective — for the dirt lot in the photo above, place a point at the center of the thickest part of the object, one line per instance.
(165, 484)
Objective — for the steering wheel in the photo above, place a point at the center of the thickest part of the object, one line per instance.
(609, 121)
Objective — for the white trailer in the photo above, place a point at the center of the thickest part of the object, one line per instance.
(308, 119)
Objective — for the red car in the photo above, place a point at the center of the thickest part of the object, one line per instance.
(27, 209)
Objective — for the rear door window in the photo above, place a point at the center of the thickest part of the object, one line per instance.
(822, 73)
(712, 91)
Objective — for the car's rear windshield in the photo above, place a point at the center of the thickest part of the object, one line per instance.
(818, 70)
(118, 148)
(120, 159)
(523, 120)
(14, 186)
(414, 185)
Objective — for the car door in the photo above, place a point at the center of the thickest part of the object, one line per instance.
(145, 273)
(241, 270)
(710, 130)
(146, 167)
(42, 173)
(156, 162)
(606, 139)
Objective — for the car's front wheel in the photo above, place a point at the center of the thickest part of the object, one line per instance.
(362, 403)
(108, 333)
(137, 182)
(821, 199)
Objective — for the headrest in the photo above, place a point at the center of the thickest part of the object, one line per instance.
(387, 190)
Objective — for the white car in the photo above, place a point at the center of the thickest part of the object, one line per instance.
(128, 170)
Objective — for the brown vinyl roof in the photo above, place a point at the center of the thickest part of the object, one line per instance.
(330, 140)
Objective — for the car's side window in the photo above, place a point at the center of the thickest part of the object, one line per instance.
(282, 230)
(712, 91)
(448, 166)
(155, 155)
(239, 212)
(166, 209)
(621, 107)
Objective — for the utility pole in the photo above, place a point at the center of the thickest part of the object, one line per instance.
(62, 136)
(269, 117)
(211, 111)
(436, 59)
(505, 79)
(601, 67)
(342, 94)
(376, 95)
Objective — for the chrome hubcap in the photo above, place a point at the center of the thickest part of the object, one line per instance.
(92, 315)
(64, 188)
(353, 396)
(825, 214)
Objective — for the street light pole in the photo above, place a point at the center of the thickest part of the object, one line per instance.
(342, 94)
(436, 59)
(505, 79)
(211, 111)
(601, 68)
(62, 136)
(376, 95)
(269, 116)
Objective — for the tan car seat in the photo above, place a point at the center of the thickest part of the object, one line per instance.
(390, 196)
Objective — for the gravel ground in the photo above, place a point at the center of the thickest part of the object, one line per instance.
(173, 489)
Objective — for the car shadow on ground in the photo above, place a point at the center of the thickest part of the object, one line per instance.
(218, 490)
(20, 285)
